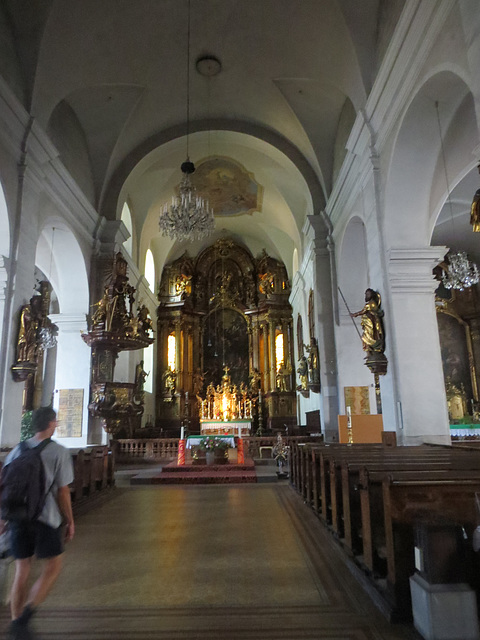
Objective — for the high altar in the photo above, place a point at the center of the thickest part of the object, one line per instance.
(225, 309)
(226, 410)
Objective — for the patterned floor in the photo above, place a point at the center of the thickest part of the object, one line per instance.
(208, 562)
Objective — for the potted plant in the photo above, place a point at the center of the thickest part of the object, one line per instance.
(216, 450)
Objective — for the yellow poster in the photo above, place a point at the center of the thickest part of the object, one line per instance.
(70, 413)
(357, 398)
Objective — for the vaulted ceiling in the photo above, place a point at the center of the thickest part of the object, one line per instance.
(108, 81)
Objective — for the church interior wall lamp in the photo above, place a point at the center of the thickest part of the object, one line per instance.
(189, 217)
(461, 273)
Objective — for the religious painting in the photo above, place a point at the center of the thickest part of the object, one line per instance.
(358, 399)
(230, 189)
(454, 338)
(225, 345)
(70, 413)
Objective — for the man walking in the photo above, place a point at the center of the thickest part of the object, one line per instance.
(42, 537)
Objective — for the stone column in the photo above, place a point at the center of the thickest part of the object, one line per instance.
(474, 324)
(271, 331)
(322, 252)
(413, 348)
(264, 327)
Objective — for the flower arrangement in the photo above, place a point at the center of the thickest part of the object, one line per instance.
(213, 444)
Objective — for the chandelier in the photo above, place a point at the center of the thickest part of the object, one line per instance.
(189, 217)
(461, 273)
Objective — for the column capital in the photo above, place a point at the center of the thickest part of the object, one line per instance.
(68, 322)
(411, 269)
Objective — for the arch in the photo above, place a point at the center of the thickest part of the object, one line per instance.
(111, 195)
(60, 258)
(126, 218)
(413, 186)
(353, 279)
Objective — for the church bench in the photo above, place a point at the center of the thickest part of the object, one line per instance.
(93, 473)
(332, 483)
(345, 500)
(397, 501)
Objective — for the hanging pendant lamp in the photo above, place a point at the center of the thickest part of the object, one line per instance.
(189, 217)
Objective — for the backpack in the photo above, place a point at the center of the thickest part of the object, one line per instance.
(23, 485)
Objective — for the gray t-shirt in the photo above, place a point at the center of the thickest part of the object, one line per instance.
(58, 465)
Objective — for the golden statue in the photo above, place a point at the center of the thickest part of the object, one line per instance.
(475, 209)
(144, 323)
(313, 368)
(170, 380)
(282, 377)
(255, 381)
(183, 285)
(140, 377)
(303, 373)
(456, 399)
(373, 338)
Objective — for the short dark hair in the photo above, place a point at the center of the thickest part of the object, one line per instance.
(42, 417)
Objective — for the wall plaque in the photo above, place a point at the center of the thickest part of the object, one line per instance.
(70, 413)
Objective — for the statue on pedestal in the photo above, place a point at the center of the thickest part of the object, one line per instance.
(373, 338)
(303, 373)
(313, 366)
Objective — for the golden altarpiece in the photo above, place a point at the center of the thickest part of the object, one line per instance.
(225, 342)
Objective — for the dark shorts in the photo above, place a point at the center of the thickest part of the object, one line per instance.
(35, 538)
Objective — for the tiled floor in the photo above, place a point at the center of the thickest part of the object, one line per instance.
(208, 562)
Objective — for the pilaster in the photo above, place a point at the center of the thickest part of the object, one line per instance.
(415, 347)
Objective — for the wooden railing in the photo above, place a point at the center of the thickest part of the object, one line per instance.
(151, 449)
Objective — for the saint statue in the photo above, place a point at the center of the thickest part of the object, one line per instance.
(255, 378)
(282, 377)
(27, 336)
(373, 337)
(303, 373)
(140, 377)
(31, 316)
(313, 368)
(475, 209)
(144, 321)
(170, 380)
(197, 382)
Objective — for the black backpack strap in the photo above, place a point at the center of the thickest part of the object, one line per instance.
(39, 448)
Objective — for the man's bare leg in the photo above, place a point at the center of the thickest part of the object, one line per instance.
(18, 596)
(42, 587)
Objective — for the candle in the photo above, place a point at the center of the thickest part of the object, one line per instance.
(182, 433)
(239, 430)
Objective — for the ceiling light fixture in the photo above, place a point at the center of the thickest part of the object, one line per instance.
(189, 217)
(461, 273)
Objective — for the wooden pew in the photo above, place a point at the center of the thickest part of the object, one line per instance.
(346, 507)
(396, 502)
